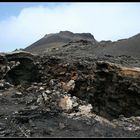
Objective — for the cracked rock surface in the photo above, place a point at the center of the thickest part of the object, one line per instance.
(53, 96)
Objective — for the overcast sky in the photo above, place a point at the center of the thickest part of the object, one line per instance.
(21, 24)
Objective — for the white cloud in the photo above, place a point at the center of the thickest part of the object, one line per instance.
(104, 20)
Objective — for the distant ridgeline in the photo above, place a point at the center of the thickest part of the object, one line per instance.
(130, 46)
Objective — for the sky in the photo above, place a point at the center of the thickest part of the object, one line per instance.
(23, 23)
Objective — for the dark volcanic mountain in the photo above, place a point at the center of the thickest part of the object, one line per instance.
(57, 40)
(130, 47)
(74, 43)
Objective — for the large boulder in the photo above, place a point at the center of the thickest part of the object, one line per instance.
(18, 67)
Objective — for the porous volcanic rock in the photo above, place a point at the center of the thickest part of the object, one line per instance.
(50, 96)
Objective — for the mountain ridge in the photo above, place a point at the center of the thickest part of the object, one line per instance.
(129, 46)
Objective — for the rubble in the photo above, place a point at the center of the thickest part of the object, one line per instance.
(64, 96)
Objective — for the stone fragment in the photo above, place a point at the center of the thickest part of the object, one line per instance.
(85, 109)
(75, 104)
(40, 100)
(1, 86)
(48, 91)
(68, 86)
(53, 82)
(8, 85)
(41, 88)
(65, 103)
(45, 96)
(18, 93)
(34, 107)
(71, 84)
(61, 125)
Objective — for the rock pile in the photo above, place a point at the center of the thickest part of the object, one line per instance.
(34, 87)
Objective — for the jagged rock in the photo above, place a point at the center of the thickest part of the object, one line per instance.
(1, 86)
(45, 96)
(65, 103)
(41, 88)
(8, 85)
(130, 72)
(80, 88)
(40, 100)
(75, 104)
(61, 125)
(68, 86)
(18, 93)
(85, 109)
(17, 55)
(48, 91)
(18, 67)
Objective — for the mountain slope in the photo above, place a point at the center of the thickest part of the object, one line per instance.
(57, 40)
(130, 47)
